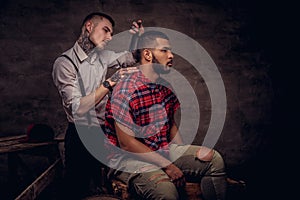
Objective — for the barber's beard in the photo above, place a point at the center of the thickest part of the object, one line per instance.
(101, 46)
(159, 68)
(85, 43)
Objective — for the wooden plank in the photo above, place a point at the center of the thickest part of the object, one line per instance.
(35, 188)
(19, 138)
(17, 143)
(6, 141)
(59, 139)
(10, 138)
(24, 146)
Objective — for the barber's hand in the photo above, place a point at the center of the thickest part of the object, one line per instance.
(137, 27)
(121, 73)
(175, 174)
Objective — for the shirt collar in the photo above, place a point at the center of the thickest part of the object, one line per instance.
(147, 81)
(143, 78)
(91, 58)
(79, 52)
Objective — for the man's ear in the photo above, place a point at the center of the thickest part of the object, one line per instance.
(147, 54)
(89, 26)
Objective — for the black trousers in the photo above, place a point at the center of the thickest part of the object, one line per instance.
(82, 170)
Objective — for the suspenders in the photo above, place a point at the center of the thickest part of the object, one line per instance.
(80, 84)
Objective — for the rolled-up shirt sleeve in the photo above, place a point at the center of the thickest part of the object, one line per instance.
(65, 79)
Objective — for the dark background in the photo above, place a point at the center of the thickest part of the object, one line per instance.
(242, 37)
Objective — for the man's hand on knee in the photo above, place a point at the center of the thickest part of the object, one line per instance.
(205, 154)
(175, 174)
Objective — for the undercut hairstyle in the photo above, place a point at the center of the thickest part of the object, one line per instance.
(98, 14)
(148, 41)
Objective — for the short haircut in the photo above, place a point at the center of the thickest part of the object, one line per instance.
(148, 40)
(100, 14)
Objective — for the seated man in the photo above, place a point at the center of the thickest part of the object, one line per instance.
(147, 152)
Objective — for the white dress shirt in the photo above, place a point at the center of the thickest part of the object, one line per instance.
(93, 70)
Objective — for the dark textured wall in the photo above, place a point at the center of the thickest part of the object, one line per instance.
(234, 33)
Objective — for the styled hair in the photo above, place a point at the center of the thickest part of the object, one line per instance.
(101, 15)
(148, 40)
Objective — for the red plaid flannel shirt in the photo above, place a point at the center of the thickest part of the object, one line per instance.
(144, 107)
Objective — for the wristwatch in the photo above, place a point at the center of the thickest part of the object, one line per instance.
(107, 85)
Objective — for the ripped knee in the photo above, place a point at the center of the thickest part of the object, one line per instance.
(163, 184)
(205, 154)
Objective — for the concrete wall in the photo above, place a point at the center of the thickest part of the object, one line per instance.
(234, 33)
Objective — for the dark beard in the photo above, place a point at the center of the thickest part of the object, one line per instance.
(159, 68)
(85, 43)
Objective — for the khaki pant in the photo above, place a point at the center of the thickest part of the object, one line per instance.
(150, 182)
